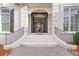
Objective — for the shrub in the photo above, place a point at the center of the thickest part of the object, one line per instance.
(76, 38)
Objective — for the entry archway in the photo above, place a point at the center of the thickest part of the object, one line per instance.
(39, 22)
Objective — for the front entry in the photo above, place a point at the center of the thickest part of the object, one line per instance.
(39, 22)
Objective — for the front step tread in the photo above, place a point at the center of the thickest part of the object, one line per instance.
(39, 36)
(40, 44)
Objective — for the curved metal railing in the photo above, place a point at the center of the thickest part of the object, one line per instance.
(12, 37)
(8, 38)
(67, 37)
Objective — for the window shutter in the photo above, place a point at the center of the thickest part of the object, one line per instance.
(12, 20)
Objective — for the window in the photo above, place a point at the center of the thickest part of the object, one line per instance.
(71, 19)
(5, 18)
(66, 19)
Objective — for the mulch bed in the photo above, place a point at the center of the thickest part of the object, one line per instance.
(76, 51)
(4, 52)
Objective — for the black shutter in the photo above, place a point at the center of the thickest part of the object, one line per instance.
(12, 20)
(32, 23)
(46, 22)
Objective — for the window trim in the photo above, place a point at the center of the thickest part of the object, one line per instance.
(1, 20)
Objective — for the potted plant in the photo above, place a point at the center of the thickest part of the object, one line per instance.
(76, 38)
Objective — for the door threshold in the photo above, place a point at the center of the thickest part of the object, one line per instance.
(40, 33)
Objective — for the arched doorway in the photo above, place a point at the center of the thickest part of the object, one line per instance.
(39, 22)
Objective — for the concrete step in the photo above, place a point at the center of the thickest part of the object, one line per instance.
(38, 36)
(39, 40)
(40, 44)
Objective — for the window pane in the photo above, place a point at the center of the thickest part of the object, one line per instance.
(76, 22)
(72, 22)
(66, 20)
(5, 27)
(5, 11)
(66, 10)
(73, 10)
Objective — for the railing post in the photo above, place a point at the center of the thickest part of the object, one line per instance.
(5, 38)
(73, 39)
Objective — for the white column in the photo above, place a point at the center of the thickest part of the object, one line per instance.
(0, 22)
(54, 17)
(24, 18)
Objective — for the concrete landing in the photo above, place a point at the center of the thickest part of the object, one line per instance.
(40, 51)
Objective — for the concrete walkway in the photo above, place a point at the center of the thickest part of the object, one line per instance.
(40, 51)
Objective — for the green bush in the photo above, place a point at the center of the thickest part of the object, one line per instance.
(76, 38)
